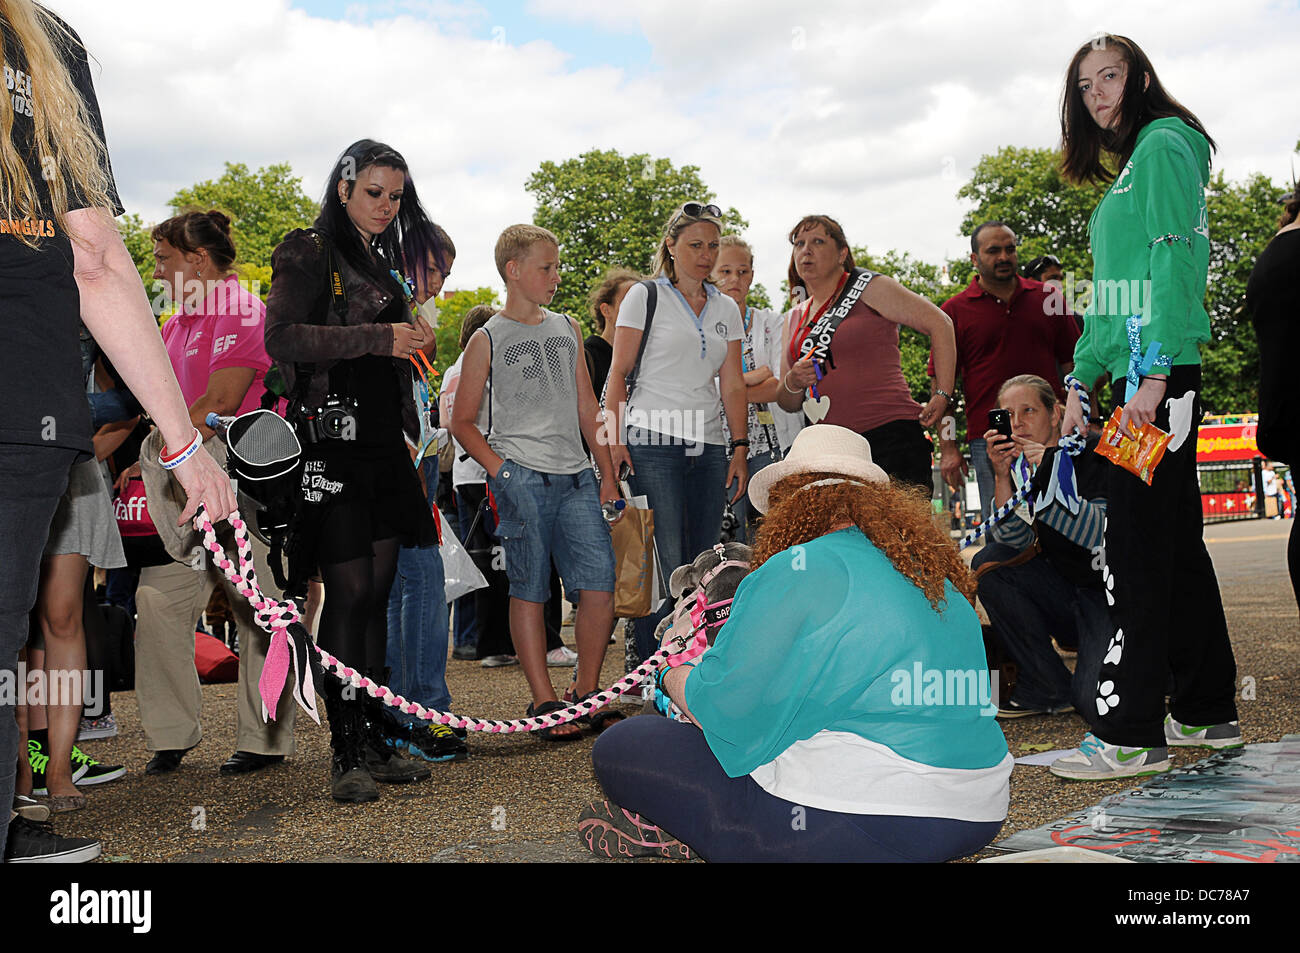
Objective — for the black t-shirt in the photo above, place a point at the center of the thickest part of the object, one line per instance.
(1273, 297)
(372, 383)
(600, 354)
(1069, 558)
(42, 390)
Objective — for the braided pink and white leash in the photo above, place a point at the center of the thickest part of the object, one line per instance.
(276, 617)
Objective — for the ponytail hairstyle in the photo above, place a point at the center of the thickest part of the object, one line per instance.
(663, 261)
(192, 230)
(66, 137)
(1042, 390)
(1083, 141)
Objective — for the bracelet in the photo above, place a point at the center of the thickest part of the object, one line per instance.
(940, 392)
(742, 442)
(786, 385)
(172, 461)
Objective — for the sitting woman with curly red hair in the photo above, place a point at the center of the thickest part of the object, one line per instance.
(844, 709)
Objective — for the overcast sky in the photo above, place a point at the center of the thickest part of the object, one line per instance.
(873, 112)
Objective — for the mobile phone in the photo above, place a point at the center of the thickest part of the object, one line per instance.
(1000, 420)
(624, 471)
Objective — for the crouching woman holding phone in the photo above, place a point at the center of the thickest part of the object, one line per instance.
(1042, 578)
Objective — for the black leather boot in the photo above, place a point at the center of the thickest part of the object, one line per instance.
(383, 731)
(350, 781)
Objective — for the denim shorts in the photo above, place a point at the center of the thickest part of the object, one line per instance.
(551, 516)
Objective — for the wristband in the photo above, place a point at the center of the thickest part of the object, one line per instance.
(940, 392)
(742, 442)
(786, 385)
(172, 461)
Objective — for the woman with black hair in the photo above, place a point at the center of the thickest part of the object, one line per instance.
(339, 324)
(1144, 325)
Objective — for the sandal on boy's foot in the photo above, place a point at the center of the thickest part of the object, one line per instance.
(601, 718)
(551, 734)
(62, 803)
(1225, 735)
(606, 829)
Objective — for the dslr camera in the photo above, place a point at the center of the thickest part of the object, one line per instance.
(332, 420)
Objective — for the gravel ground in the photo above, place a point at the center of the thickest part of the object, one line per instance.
(517, 798)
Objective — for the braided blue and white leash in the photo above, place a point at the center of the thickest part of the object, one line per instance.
(1073, 444)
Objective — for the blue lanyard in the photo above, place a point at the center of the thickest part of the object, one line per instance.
(697, 319)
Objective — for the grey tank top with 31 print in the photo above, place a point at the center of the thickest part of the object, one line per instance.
(532, 388)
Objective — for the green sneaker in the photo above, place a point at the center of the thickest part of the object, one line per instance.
(92, 771)
(1225, 735)
(1097, 761)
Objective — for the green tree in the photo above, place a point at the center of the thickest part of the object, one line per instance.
(609, 210)
(451, 312)
(758, 297)
(263, 206)
(1024, 188)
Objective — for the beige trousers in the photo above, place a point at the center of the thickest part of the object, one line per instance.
(169, 602)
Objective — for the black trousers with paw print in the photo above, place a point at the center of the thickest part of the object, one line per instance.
(1164, 596)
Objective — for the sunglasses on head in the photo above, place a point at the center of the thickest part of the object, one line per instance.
(697, 210)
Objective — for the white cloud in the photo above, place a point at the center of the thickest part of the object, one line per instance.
(873, 113)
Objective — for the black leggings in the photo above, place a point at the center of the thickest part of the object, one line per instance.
(354, 619)
(665, 771)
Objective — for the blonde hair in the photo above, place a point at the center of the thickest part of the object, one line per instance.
(515, 242)
(71, 150)
(663, 261)
(735, 241)
(1042, 390)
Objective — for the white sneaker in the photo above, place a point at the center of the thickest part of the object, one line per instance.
(1225, 735)
(563, 657)
(1097, 761)
(499, 661)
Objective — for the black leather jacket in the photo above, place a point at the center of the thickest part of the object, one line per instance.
(303, 328)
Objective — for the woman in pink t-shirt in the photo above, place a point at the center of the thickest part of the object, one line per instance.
(215, 342)
(215, 339)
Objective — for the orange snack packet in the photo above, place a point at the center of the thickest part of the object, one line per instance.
(1141, 456)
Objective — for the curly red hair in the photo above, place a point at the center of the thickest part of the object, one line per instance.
(898, 521)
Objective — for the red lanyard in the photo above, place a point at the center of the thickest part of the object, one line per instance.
(804, 329)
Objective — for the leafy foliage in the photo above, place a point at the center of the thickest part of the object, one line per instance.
(610, 210)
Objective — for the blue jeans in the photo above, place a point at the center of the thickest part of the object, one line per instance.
(551, 518)
(1027, 605)
(746, 515)
(979, 462)
(683, 484)
(418, 622)
(465, 633)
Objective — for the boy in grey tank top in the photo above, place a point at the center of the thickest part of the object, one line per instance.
(523, 404)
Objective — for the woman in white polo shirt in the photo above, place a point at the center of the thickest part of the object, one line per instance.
(670, 430)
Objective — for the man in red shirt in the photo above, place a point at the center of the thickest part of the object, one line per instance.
(1005, 325)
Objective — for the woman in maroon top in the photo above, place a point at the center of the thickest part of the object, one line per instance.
(840, 360)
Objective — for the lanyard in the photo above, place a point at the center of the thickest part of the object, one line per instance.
(697, 319)
(805, 327)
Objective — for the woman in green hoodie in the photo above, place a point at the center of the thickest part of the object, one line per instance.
(1150, 245)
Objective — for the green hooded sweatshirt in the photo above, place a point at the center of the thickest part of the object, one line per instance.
(1150, 240)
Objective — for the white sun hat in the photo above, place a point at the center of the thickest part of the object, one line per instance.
(822, 448)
